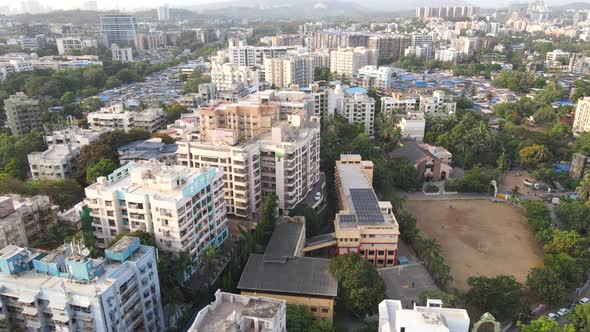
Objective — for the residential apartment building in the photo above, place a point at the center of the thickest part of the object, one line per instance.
(117, 118)
(151, 149)
(425, 52)
(118, 29)
(290, 70)
(122, 54)
(254, 55)
(438, 104)
(448, 55)
(265, 143)
(413, 126)
(233, 312)
(206, 35)
(432, 317)
(24, 220)
(64, 146)
(354, 105)
(447, 12)
(65, 290)
(68, 44)
(57, 162)
(582, 117)
(150, 41)
(23, 113)
(163, 13)
(278, 273)
(33, 43)
(580, 165)
(346, 62)
(399, 103)
(232, 77)
(363, 225)
(330, 39)
(389, 46)
(183, 207)
(370, 77)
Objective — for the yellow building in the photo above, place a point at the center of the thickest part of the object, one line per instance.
(364, 224)
(283, 273)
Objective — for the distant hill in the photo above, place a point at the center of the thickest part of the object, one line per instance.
(573, 6)
(285, 9)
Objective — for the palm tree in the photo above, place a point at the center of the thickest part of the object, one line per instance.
(583, 188)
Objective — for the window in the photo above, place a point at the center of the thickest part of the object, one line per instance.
(362, 252)
(371, 252)
(380, 262)
(314, 309)
(325, 310)
(390, 252)
(381, 252)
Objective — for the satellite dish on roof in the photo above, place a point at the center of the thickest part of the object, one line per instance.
(85, 252)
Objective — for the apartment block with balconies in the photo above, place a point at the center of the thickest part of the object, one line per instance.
(65, 290)
(183, 207)
(23, 220)
(264, 143)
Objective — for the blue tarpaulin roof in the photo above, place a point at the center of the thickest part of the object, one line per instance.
(356, 90)
(562, 168)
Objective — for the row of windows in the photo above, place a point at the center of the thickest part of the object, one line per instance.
(379, 252)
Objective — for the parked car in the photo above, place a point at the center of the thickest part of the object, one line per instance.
(552, 315)
(584, 300)
(318, 196)
(562, 312)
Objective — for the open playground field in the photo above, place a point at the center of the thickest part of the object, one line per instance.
(478, 237)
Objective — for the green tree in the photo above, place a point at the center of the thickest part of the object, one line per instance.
(502, 296)
(546, 284)
(550, 93)
(567, 267)
(514, 81)
(501, 163)
(583, 189)
(567, 242)
(545, 114)
(544, 324)
(361, 286)
(103, 167)
(579, 317)
(534, 155)
(65, 193)
(313, 222)
(575, 214)
(91, 154)
(173, 112)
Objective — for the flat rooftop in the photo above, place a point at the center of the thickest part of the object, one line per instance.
(283, 242)
(361, 198)
(298, 276)
(225, 316)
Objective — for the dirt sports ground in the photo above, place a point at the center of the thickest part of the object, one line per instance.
(478, 237)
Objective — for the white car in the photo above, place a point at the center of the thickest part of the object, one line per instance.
(318, 196)
(552, 315)
(584, 300)
(562, 312)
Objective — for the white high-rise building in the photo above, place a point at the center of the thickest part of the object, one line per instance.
(432, 317)
(347, 61)
(582, 118)
(65, 290)
(438, 104)
(68, 44)
(163, 13)
(375, 77)
(399, 103)
(232, 77)
(254, 55)
(116, 117)
(354, 105)
(122, 54)
(183, 207)
(291, 70)
(266, 142)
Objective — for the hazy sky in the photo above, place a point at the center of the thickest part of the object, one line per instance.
(132, 4)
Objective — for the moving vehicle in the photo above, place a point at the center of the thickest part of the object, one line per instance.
(318, 196)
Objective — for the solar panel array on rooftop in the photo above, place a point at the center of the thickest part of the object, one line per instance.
(366, 205)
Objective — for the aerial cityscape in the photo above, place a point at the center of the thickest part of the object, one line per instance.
(300, 166)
